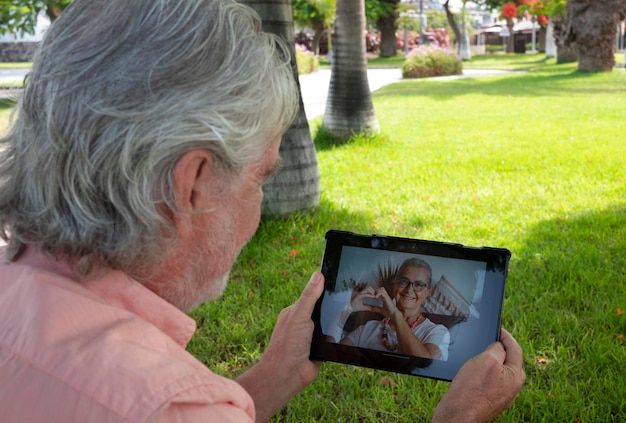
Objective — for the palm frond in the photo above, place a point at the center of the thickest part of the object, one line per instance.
(384, 275)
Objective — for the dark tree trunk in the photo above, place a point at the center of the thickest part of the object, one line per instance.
(452, 22)
(317, 36)
(54, 8)
(565, 52)
(349, 107)
(53, 12)
(593, 28)
(387, 28)
(296, 186)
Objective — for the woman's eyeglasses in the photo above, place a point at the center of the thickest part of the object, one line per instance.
(402, 282)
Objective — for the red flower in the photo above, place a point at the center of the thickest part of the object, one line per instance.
(509, 10)
(542, 20)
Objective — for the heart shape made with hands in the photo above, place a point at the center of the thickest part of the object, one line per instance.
(373, 301)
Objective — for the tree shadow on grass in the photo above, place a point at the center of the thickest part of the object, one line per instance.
(519, 62)
(569, 276)
(565, 297)
(310, 227)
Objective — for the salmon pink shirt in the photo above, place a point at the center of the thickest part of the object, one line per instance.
(108, 350)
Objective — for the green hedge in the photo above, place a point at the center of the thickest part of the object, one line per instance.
(426, 61)
(306, 60)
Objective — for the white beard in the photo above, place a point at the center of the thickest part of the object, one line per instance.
(195, 281)
(215, 290)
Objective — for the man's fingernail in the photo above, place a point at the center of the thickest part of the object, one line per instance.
(316, 279)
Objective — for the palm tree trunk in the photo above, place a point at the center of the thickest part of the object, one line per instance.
(565, 52)
(593, 28)
(296, 187)
(387, 28)
(349, 106)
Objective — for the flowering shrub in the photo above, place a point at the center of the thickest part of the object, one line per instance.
(306, 61)
(509, 10)
(535, 8)
(426, 61)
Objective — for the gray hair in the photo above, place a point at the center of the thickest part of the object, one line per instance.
(118, 92)
(418, 263)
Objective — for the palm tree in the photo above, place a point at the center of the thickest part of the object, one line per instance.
(593, 28)
(296, 187)
(565, 52)
(557, 27)
(387, 27)
(349, 107)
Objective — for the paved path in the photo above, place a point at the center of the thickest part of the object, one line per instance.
(314, 86)
(8, 75)
(13, 74)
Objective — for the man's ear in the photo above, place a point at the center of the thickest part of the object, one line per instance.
(193, 180)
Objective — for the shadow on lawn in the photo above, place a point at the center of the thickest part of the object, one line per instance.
(526, 62)
(565, 300)
(304, 232)
(552, 81)
(575, 265)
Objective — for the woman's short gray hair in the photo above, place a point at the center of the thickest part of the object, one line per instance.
(118, 92)
(418, 263)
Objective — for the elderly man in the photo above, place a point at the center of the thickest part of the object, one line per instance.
(129, 182)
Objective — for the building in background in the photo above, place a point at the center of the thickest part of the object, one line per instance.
(20, 47)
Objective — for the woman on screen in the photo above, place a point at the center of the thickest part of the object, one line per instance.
(404, 329)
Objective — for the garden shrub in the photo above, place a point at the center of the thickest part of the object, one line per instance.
(426, 61)
(494, 48)
(306, 60)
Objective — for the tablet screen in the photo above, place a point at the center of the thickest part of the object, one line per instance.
(406, 305)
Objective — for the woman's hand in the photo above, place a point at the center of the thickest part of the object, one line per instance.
(358, 295)
(389, 308)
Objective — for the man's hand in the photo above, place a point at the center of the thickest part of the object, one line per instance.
(485, 386)
(285, 368)
(290, 343)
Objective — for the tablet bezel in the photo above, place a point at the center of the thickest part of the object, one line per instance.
(484, 330)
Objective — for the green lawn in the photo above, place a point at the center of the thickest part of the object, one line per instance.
(534, 162)
(507, 61)
(485, 61)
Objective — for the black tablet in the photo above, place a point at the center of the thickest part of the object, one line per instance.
(406, 305)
